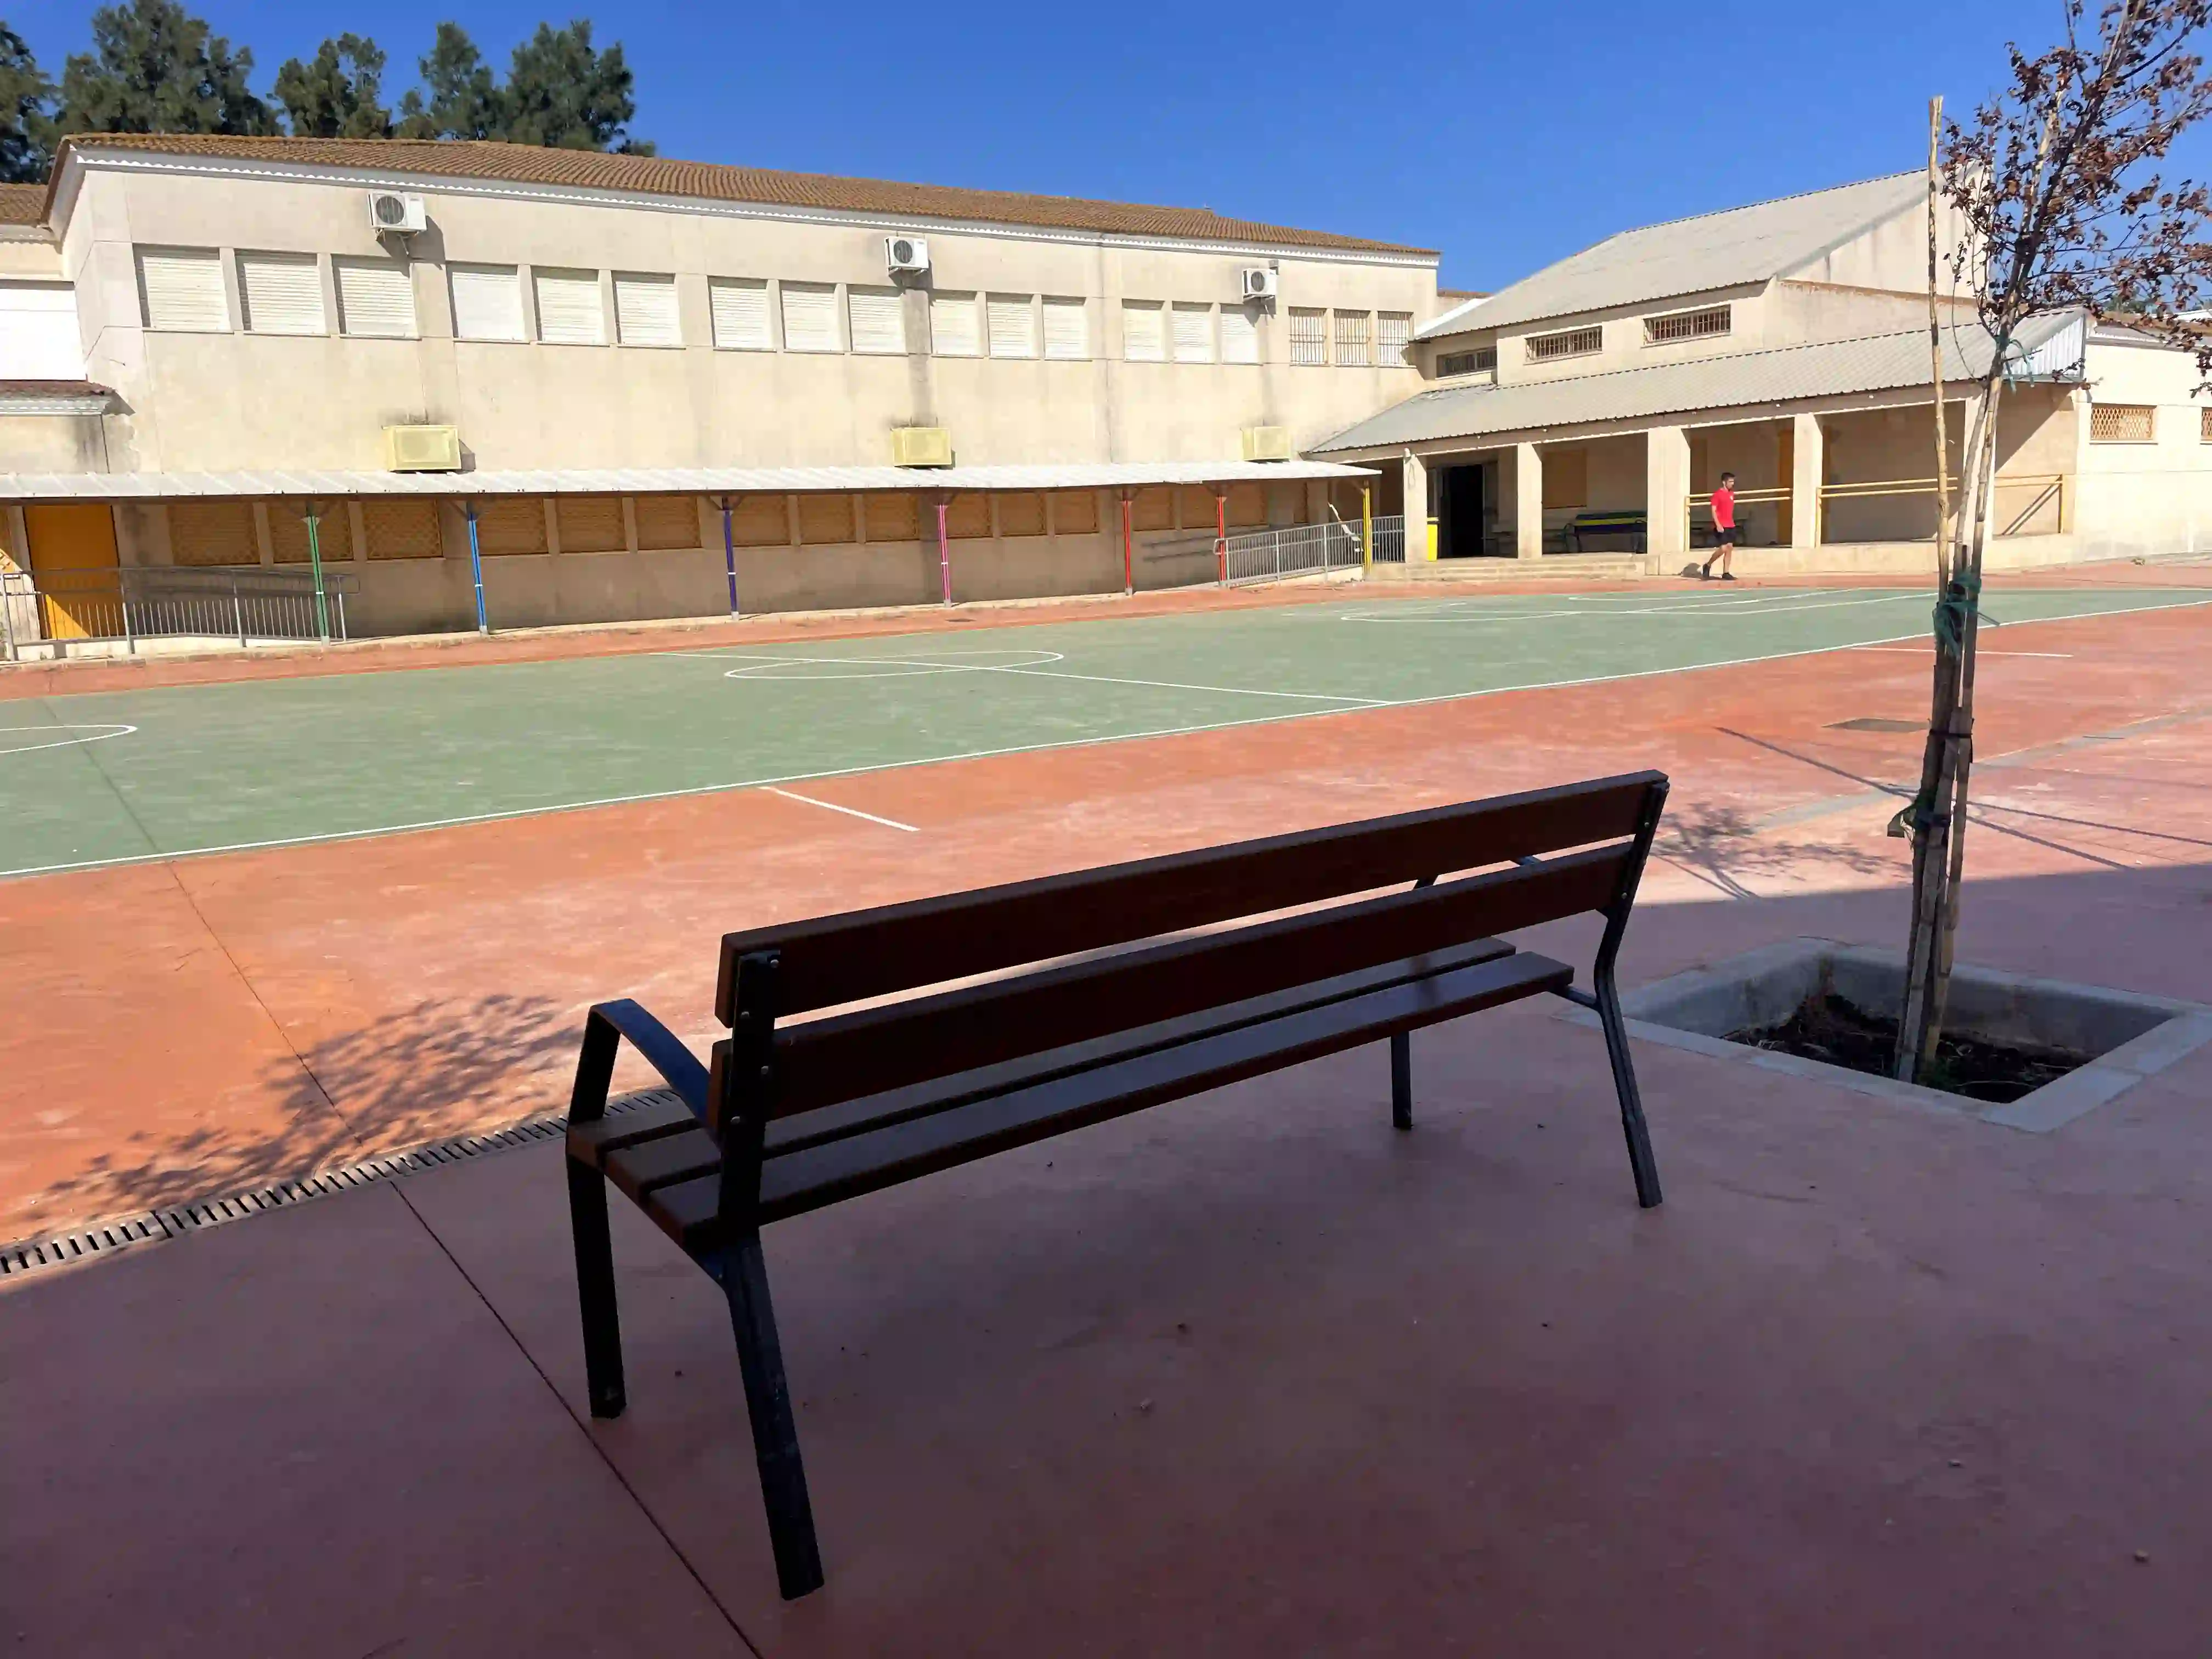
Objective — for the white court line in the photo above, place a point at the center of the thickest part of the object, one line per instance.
(921, 663)
(988, 754)
(832, 807)
(101, 730)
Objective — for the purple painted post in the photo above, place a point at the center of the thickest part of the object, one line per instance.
(945, 550)
(730, 556)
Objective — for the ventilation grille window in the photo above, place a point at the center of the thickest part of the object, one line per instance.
(376, 299)
(1705, 325)
(646, 312)
(1309, 336)
(1393, 329)
(1067, 330)
(739, 305)
(281, 292)
(182, 289)
(2122, 423)
(1569, 343)
(1352, 338)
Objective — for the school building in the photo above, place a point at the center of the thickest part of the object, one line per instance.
(1593, 405)
(466, 378)
(644, 383)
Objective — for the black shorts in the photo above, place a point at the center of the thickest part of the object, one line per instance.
(1724, 536)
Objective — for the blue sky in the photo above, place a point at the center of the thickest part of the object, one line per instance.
(1507, 136)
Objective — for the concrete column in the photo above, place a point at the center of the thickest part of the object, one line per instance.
(1804, 463)
(1528, 502)
(1666, 490)
(1418, 544)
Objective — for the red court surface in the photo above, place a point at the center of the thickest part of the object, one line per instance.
(1248, 1374)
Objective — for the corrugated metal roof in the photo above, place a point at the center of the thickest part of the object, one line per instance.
(1825, 368)
(656, 175)
(1691, 256)
(656, 481)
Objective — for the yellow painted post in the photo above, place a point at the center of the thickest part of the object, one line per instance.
(1366, 528)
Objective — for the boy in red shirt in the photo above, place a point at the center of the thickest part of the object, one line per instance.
(1723, 529)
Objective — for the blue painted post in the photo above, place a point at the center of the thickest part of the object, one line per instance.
(730, 556)
(476, 568)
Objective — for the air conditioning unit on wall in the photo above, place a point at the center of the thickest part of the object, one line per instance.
(396, 212)
(423, 448)
(1268, 443)
(921, 445)
(906, 255)
(1259, 282)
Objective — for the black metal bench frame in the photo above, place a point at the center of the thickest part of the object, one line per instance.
(788, 1120)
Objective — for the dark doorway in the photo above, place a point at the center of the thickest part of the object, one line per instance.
(1460, 528)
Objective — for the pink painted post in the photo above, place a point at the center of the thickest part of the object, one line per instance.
(944, 549)
(1221, 534)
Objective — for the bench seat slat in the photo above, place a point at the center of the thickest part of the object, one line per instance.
(845, 1056)
(832, 960)
(829, 1171)
(593, 1139)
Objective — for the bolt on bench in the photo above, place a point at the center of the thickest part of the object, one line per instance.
(792, 1117)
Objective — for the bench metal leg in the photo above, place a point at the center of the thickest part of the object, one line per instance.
(1401, 1081)
(776, 1433)
(1640, 1160)
(595, 1288)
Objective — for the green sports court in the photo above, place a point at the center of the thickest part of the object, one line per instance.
(104, 779)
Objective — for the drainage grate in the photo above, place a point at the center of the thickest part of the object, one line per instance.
(109, 1239)
(1876, 723)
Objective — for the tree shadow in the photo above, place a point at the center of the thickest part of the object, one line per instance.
(1724, 848)
(437, 1070)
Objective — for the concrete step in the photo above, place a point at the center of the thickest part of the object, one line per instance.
(1571, 567)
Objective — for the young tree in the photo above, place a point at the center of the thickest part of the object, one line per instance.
(153, 67)
(2057, 187)
(562, 93)
(334, 96)
(463, 101)
(25, 123)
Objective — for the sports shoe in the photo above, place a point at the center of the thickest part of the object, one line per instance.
(1727, 576)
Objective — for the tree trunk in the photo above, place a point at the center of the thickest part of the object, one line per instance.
(1936, 818)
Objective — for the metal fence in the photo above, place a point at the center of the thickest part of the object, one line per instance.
(1306, 549)
(124, 606)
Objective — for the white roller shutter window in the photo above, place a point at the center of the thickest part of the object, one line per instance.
(281, 292)
(1013, 326)
(810, 316)
(183, 290)
(39, 338)
(645, 312)
(1143, 332)
(878, 316)
(376, 298)
(1240, 334)
(1194, 334)
(569, 310)
(740, 308)
(1066, 328)
(487, 302)
(953, 331)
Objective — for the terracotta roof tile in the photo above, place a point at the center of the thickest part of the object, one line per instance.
(22, 204)
(713, 182)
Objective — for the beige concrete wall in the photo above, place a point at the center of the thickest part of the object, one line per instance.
(54, 443)
(2144, 500)
(239, 400)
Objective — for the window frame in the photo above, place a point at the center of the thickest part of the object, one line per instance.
(2148, 411)
(1656, 325)
(1566, 341)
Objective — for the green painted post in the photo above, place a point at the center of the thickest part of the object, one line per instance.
(315, 564)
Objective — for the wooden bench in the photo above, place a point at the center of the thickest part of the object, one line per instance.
(792, 1116)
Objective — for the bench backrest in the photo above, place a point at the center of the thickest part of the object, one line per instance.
(905, 947)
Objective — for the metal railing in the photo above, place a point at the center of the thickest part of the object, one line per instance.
(2027, 504)
(1305, 549)
(127, 605)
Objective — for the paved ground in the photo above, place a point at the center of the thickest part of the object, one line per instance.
(1246, 1374)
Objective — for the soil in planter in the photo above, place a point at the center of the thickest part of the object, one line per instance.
(1827, 1028)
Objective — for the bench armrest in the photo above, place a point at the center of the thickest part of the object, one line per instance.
(605, 1028)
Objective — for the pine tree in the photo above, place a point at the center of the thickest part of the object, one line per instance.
(155, 68)
(562, 93)
(25, 125)
(464, 100)
(335, 95)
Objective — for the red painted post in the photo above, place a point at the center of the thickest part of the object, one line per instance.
(1129, 552)
(945, 550)
(1221, 533)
